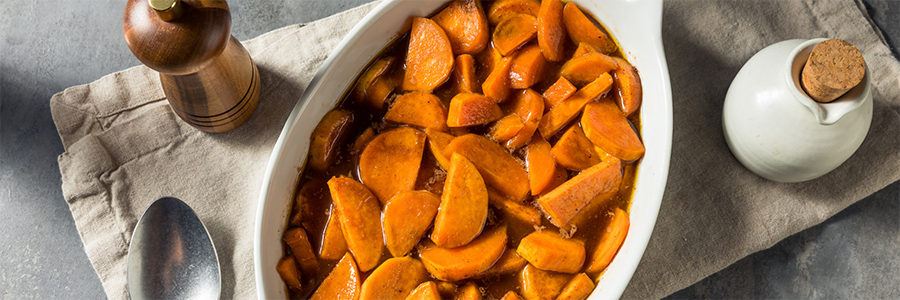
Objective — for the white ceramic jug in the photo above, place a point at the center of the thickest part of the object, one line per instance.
(777, 131)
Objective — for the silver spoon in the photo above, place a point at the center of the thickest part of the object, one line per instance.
(171, 255)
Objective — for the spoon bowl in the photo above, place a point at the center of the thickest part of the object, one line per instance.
(171, 255)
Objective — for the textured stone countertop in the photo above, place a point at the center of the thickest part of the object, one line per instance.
(49, 45)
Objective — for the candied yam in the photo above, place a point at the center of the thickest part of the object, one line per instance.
(504, 9)
(287, 269)
(609, 242)
(468, 109)
(537, 284)
(560, 175)
(551, 32)
(558, 92)
(508, 263)
(464, 205)
(579, 288)
(524, 213)
(527, 68)
(447, 289)
(301, 247)
(630, 93)
(506, 128)
(459, 263)
(466, 26)
(583, 30)
(511, 296)
(327, 138)
(468, 292)
(605, 126)
(566, 111)
(429, 58)
(426, 291)
(390, 163)
(437, 142)
(529, 106)
(487, 60)
(342, 283)
(394, 279)
(574, 151)
(496, 86)
(496, 165)
(584, 48)
(583, 69)
(514, 32)
(539, 163)
(362, 140)
(368, 79)
(377, 94)
(463, 75)
(566, 200)
(360, 220)
(549, 251)
(420, 109)
(333, 244)
(406, 218)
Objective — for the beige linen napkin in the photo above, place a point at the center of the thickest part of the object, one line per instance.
(126, 148)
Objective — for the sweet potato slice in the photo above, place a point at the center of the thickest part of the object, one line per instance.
(527, 68)
(547, 250)
(514, 209)
(504, 9)
(558, 92)
(287, 269)
(578, 288)
(468, 109)
(539, 163)
(537, 284)
(362, 140)
(498, 168)
(560, 175)
(506, 128)
(437, 142)
(342, 283)
(513, 33)
(429, 58)
(426, 291)
(468, 292)
(566, 111)
(327, 138)
(406, 218)
(605, 126)
(301, 247)
(508, 263)
(496, 86)
(574, 151)
(566, 200)
(582, 29)
(394, 279)
(584, 48)
(390, 163)
(551, 32)
(628, 86)
(581, 70)
(511, 296)
(464, 205)
(467, 261)
(463, 74)
(420, 109)
(529, 106)
(333, 244)
(466, 26)
(360, 220)
(369, 80)
(609, 242)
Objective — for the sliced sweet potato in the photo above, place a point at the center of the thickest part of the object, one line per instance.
(360, 220)
(301, 247)
(464, 205)
(327, 138)
(342, 283)
(362, 140)
(468, 109)
(508, 263)
(511, 296)
(566, 200)
(447, 289)
(514, 32)
(537, 284)
(547, 250)
(630, 93)
(420, 109)
(605, 126)
(539, 163)
(496, 86)
(429, 58)
(584, 48)
(567, 110)
(551, 32)
(498, 168)
(596, 207)
(529, 106)
(514, 209)
(574, 151)
(487, 61)
(437, 142)
(463, 75)
(466, 26)
(506, 128)
(558, 92)
(504, 9)
(377, 93)
(578, 288)
(367, 80)
(609, 242)
(406, 218)
(390, 163)
(467, 261)
(333, 244)
(468, 292)
(426, 291)
(582, 29)
(560, 175)
(394, 279)
(581, 70)
(527, 68)
(287, 269)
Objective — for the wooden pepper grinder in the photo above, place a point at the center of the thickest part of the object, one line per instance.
(207, 75)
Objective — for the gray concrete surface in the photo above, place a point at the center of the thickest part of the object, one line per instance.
(48, 45)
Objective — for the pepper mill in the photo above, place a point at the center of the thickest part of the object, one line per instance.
(207, 75)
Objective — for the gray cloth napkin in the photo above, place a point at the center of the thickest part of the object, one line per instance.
(125, 147)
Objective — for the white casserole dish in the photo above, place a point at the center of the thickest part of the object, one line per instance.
(636, 24)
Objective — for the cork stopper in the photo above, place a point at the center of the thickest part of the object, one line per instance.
(833, 68)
